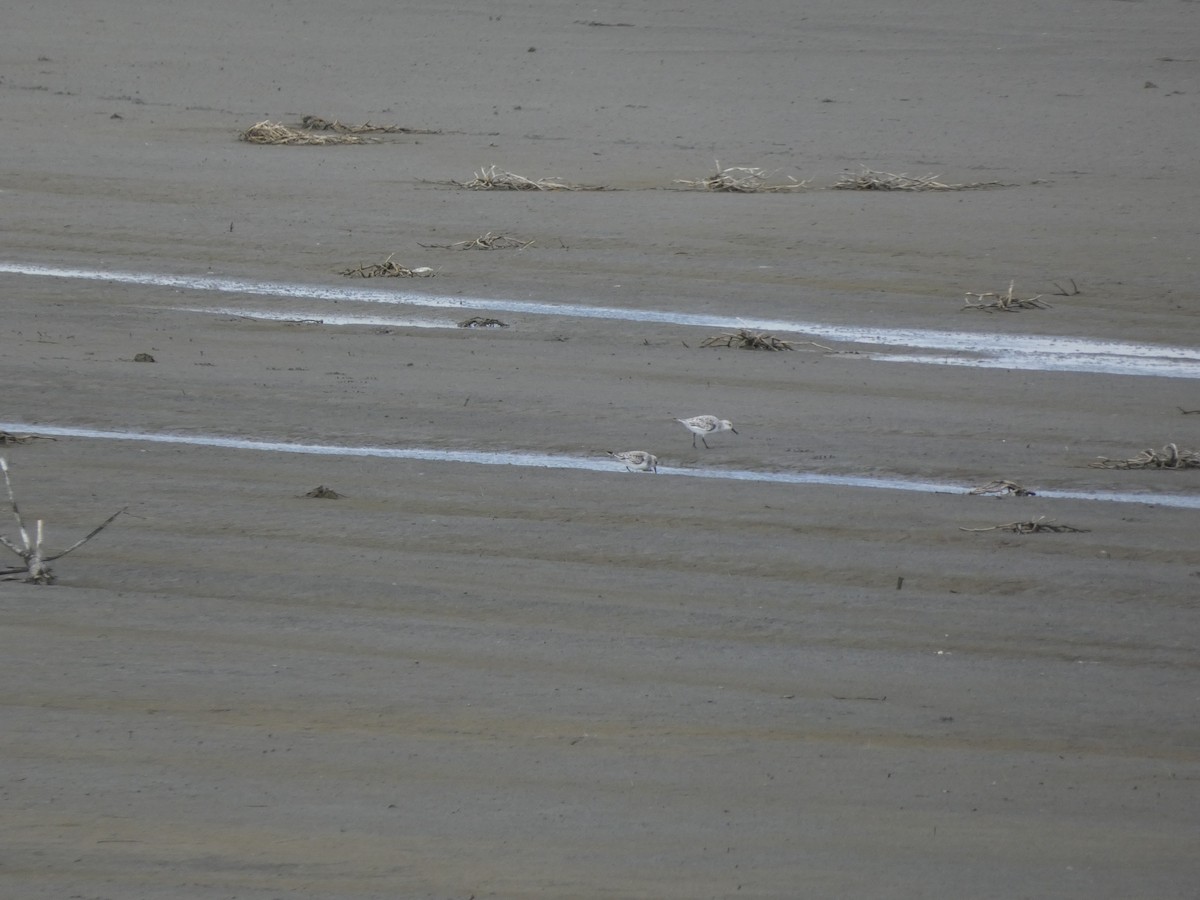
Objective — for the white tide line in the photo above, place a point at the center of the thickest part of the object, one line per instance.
(562, 461)
(1026, 352)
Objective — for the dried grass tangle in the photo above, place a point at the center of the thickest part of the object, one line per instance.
(1169, 457)
(870, 180)
(388, 269)
(742, 180)
(267, 132)
(1006, 302)
(490, 178)
(316, 123)
(1033, 527)
(744, 339)
(488, 241)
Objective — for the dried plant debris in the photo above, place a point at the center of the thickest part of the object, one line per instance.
(744, 339)
(35, 568)
(1187, 412)
(742, 180)
(1036, 526)
(481, 322)
(490, 178)
(870, 180)
(388, 269)
(316, 123)
(488, 241)
(7, 437)
(1169, 457)
(1003, 489)
(1006, 302)
(267, 132)
(320, 492)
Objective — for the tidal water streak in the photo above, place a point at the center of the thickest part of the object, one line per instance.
(1022, 351)
(563, 461)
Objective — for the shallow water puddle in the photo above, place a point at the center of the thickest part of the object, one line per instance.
(1028, 352)
(584, 463)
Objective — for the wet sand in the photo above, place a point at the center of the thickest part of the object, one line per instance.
(509, 681)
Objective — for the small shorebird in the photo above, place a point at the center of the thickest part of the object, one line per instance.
(636, 460)
(704, 425)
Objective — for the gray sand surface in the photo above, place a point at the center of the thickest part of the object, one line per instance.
(465, 680)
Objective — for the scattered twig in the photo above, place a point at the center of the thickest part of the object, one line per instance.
(487, 241)
(481, 322)
(267, 132)
(490, 179)
(742, 180)
(1033, 527)
(1169, 457)
(388, 269)
(1063, 291)
(1006, 302)
(1182, 411)
(870, 180)
(316, 123)
(36, 568)
(1003, 489)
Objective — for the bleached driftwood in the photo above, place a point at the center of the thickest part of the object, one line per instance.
(35, 568)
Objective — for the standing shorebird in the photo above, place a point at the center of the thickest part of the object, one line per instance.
(636, 460)
(705, 425)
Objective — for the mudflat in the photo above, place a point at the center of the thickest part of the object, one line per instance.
(479, 674)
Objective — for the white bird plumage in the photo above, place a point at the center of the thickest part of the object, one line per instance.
(636, 460)
(705, 425)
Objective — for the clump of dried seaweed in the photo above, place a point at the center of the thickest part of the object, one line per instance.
(481, 322)
(742, 180)
(488, 241)
(1006, 302)
(870, 180)
(1003, 489)
(1033, 527)
(321, 492)
(744, 339)
(316, 123)
(267, 132)
(388, 269)
(490, 178)
(1169, 457)
(8, 437)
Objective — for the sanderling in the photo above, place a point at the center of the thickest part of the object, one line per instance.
(702, 425)
(636, 460)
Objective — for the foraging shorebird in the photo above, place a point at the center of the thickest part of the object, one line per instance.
(705, 425)
(636, 460)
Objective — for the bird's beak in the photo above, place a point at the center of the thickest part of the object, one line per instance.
(734, 430)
